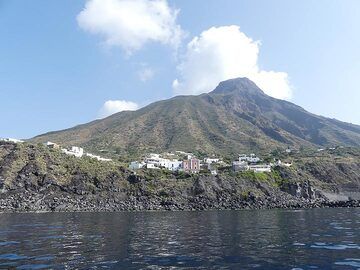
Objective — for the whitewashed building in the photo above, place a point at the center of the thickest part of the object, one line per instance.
(74, 151)
(151, 166)
(52, 145)
(211, 160)
(174, 165)
(260, 168)
(252, 158)
(156, 160)
(97, 157)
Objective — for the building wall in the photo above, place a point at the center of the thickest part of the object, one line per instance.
(191, 165)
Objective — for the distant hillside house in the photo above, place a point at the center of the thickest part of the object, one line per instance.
(260, 168)
(252, 158)
(240, 166)
(97, 157)
(174, 165)
(211, 160)
(74, 151)
(191, 165)
(156, 160)
(52, 145)
(151, 166)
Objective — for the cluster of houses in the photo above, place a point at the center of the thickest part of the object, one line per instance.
(191, 164)
(250, 163)
(168, 161)
(188, 163)
(75, 151)
(171, 161)
(329, 148)
(253, 163)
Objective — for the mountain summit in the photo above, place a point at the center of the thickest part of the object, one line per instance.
(237, 116)
(237, 85)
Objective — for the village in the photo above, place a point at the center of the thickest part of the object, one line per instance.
(191, 164)
(180, 161)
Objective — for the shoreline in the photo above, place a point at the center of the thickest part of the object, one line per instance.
(188, 208)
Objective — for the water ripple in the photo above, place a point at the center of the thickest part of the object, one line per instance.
(318, 239)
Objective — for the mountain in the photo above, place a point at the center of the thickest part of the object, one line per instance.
(235, 117)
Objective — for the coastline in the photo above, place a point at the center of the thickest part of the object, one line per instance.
(17, 204)
(34, 178)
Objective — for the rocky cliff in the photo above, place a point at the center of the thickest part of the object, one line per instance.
(35, 178)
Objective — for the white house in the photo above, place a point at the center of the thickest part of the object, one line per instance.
(211, 160)
(155, 160)
(252, 158)
(97, 157)
(260, 168)
(281, 164)
(244, 166)
(74, 151)
(174, 165)
(287, 164)
(52, 145)
(153, 156)
(151, 166)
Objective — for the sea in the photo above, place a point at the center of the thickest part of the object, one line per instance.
(245, 239)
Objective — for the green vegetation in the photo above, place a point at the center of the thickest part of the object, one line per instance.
(51, 162)
(30, 164)
(250, 175)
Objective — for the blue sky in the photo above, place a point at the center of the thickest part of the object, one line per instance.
(56, 72)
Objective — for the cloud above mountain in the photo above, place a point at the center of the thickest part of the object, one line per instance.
(113, 106)
(222, 53)
(130, 24)
(217, 54)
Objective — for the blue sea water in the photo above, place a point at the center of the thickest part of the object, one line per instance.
(247, 239)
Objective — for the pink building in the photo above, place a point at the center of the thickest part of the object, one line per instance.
(191, 165)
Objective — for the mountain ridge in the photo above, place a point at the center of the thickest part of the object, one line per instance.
(236, 116)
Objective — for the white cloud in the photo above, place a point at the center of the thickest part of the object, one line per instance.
(146, 73)
(113, 106)
(222, 53)
(131, 23)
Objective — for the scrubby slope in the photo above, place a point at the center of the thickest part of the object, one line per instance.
(237, 116)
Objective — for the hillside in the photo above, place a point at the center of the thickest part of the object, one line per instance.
(36, 178)
(235, 117)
